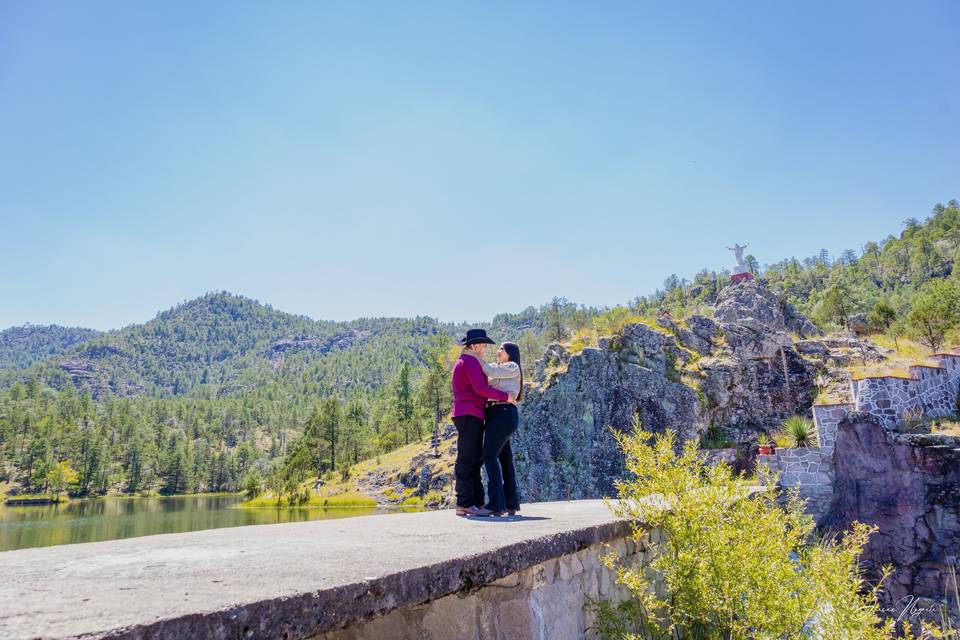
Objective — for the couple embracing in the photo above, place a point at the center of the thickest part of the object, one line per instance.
(485, 397)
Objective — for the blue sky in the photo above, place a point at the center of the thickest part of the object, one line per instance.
(452, 159)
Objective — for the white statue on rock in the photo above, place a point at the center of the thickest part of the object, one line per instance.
(740, 271)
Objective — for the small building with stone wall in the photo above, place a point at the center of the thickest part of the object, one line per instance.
(929, 390)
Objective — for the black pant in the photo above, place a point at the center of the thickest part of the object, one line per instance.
(502, 422)
(466, 471)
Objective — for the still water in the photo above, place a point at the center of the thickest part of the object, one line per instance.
(110, 518)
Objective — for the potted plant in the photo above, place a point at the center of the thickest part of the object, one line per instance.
(764, 445)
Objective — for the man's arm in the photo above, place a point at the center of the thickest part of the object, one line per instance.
(478, 380)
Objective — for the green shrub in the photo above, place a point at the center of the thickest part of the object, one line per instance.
(252, 484)
(732, 564)
(715, 439)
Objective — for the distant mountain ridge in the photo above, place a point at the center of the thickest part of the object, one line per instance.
(222, 343)
(22, 346)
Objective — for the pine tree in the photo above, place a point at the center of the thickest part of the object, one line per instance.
(404, 400)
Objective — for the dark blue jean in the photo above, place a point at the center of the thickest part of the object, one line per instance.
(502, 422)
(466, 471)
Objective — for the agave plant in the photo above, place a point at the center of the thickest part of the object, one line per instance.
(799, 431)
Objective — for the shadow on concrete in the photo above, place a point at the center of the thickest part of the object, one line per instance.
(505, 519)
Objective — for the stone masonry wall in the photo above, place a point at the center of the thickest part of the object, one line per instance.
(811, 469)
(827, 417)
(547, 601)
(804, 466)
(930, 390)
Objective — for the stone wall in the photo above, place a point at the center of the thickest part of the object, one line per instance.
(827, 418)
(547, 601)
(804, 466)
(929, 390)
(809, 470)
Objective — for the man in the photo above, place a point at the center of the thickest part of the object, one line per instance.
(470, 394)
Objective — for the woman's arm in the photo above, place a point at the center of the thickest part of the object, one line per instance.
(496, 370)
(480, 385)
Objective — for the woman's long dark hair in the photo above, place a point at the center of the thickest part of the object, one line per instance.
(512, 350)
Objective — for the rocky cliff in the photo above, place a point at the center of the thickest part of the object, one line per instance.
(565, 448)
(751, 374)
(738, 371)
(908, 485)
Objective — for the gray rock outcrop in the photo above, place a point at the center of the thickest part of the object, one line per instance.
(755, 375)
(565, 448)
(751, 305)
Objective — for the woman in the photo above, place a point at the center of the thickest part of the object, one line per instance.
(502, 420)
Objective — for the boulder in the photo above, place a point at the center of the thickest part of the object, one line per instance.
(555, 356)
(907, 485)
(755, 376)
(564, 448)
(698, 335)
(842, 349)
(760, 392)
(750, 304)
(858, 324)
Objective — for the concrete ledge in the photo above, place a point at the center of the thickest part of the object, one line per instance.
(280, 581)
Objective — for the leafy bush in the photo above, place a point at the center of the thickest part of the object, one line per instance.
(612, 321)
(252, 484)
(715, 439)
(935, 312)
(732, 565)
(881, 316)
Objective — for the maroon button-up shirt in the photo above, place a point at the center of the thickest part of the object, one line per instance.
(471, 389)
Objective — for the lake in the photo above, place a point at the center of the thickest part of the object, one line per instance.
(111, 518)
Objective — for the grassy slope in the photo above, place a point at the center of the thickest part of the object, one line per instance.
(377, 481)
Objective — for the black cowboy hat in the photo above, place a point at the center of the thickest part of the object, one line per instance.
(475, 336)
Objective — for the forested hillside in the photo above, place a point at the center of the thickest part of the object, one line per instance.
(22, 346)
(220, 386)
(224, 391)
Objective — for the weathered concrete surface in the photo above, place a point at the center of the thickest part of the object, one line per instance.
(279, 581)
(551, 600)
